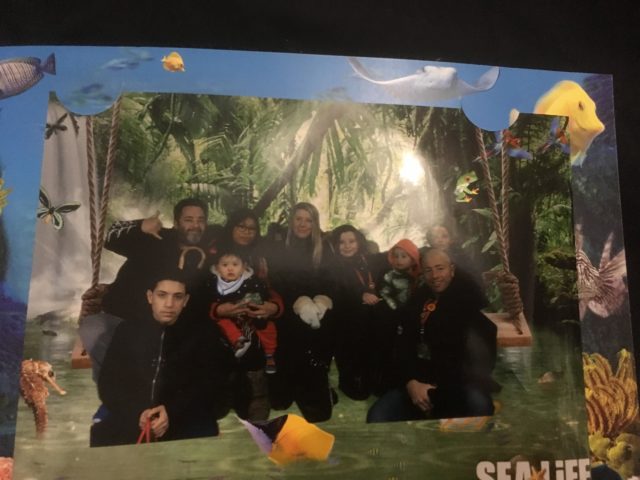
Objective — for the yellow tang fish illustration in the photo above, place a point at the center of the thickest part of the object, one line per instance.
(173, 62)
(568, 99)
(290, 438)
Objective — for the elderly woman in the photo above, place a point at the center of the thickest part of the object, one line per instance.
(306, 332)
(241, 234)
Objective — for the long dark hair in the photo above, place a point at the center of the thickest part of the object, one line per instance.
(360, 238)
(234, 219)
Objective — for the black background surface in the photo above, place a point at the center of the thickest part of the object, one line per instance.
(598, 37)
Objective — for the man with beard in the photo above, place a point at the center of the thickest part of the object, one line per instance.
(145, 244)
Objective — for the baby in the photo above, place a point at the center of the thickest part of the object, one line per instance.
(236, 283)
(398, 283)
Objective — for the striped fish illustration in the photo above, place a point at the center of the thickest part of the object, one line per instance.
(20, 74)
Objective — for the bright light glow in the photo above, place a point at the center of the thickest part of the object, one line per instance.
(411, 170)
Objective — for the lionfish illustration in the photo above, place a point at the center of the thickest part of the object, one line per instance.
(49, 213)
(601, 290)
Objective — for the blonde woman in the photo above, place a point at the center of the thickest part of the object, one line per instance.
(306, 330)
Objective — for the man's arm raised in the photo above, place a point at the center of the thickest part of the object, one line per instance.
(152, 225)
(126, 237)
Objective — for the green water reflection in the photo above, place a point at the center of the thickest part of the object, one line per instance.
(539, 421)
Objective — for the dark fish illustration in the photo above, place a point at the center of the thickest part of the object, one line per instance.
(91, 88)
(92, 94)
(20, 74)
(49, 213)
(132, 60)
(120, 64)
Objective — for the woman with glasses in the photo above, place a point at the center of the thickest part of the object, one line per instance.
(241, 234)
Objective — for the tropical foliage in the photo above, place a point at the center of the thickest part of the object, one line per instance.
(348, 159)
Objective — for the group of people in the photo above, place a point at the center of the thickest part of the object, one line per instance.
(204, 318)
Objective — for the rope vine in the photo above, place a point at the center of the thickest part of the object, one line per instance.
(507, 282)
(100, 199)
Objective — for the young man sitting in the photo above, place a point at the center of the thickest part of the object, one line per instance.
(160, 377)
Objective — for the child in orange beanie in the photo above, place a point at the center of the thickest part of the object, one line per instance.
(399, 282)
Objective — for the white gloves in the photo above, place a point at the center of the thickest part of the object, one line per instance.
(312, 311)
(307, 311)
(323, 303)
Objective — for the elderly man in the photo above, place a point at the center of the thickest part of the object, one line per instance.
(448, 350)
(158, 378)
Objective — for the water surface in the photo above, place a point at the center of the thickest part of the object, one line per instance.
(538, 421)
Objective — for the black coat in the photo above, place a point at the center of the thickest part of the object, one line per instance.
(185, 369)
(353, 275)
(145, 255)
(292, 275)
(457, 345)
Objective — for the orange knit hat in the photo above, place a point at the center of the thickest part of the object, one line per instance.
(411, 249)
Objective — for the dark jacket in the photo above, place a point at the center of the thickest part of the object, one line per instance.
(185, 369)
(292, 275)
(145, 255)
(457, 343)
(253, 286)
(355, 275)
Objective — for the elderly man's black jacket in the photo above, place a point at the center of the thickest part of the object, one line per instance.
(457, 344)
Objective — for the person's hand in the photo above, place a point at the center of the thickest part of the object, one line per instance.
(370, 298)
(230, 310)
(419, 394)
(152, 225)
(307, 310)
(159, 420)
(323, 303)
(265, 310)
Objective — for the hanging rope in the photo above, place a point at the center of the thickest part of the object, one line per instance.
(108, 173)
(504, 198)
(495, 214)
(100, 199)
(92, 181)
(507, 282)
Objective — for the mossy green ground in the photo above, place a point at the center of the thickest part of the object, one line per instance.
(540, 422)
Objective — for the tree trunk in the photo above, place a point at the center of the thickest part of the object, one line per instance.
(395, 195)
(320, 124)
